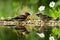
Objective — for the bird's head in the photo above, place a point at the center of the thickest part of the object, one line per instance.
(27, 14)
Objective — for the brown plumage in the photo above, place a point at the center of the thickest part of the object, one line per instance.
(46, 18)
(21, 28)
(43, 17)
(22, 17)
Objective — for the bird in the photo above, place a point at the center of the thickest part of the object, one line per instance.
(46, 18)
(43, 17)
(22, 17)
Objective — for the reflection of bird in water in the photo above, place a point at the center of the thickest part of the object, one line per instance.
(45, 20)
(21, 18)
(22, 29)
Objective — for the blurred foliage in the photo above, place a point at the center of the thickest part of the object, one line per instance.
(56, 33)
(54, 13)
(10, 8)
(33, 36)
(58, 4)
(8, 34)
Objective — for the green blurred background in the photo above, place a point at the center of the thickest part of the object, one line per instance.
(12, 8)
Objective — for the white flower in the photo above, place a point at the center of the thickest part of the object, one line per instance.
(51, 38)
(52, 4)
(41, 8)
(41, 35)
